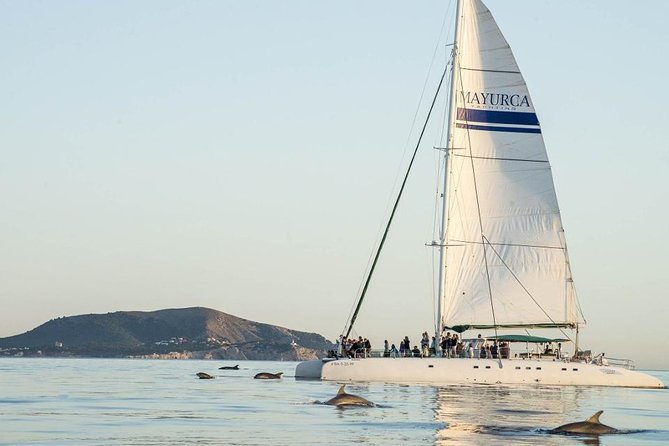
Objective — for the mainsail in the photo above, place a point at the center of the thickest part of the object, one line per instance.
(505, 257)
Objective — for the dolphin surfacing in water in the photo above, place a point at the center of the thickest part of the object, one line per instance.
(265, 375)
(203, 375)
(343, 399)
(591, 426)
(229, 367)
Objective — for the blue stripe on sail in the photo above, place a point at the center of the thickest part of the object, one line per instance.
(497, 129)
(497, 117)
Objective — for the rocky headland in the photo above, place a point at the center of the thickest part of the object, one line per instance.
(185, 333)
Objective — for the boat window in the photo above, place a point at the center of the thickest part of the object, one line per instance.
(538, 368)
(517, 367)
(528, 368)
(430, 366)
(564, 369)
(576, 370)
(476, 367)
(487, 367)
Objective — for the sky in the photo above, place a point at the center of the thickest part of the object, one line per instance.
(242, 156)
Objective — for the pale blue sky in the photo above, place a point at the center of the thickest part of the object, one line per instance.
(240, 156)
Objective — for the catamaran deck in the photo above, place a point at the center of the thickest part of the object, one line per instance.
(444, 371)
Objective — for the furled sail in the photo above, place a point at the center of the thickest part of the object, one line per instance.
(506, 262)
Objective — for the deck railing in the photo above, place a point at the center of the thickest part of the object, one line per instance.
(619, 362)
(583, 357)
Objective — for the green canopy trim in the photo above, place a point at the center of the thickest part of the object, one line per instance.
(526, 338)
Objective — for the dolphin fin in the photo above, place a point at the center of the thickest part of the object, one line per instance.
(341, 390)
(595, 417)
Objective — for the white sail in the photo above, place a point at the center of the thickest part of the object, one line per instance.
(505, 248)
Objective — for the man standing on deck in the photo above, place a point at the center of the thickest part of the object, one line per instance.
(478, 344)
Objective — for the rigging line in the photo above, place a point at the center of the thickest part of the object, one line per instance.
(438, 232)
(435, 222)
(501, 159)
(440, 167)
(406, 144)
(441, 301)
(432, 268)
(563, 241)
(413, 122)
(525, 289)
(430, 262)
(440, 157)
(449, 59)
(392, 214)
(427, 78)
(478, 207)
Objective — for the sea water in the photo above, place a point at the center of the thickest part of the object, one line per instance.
(162, 402)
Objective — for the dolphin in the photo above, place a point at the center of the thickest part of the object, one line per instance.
(346, 399)
(591, 426)
(229, 367)
(203, 375)
(265, 375)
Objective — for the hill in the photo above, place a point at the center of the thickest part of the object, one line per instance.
(174, 333)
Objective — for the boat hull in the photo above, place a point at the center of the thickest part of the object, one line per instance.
(474, 371)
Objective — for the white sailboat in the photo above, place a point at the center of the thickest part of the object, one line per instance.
(503, 254)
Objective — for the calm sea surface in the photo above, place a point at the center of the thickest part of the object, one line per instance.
(150, 402)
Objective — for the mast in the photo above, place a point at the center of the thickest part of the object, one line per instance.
(449, 146)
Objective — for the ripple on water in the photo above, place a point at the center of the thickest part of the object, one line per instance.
(121, 402)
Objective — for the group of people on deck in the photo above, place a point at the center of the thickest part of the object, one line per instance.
(448, 346)
(355, 348)
(451, 346)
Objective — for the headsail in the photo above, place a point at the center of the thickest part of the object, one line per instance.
(505, 246)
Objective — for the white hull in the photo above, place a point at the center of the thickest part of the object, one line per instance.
(473, 371)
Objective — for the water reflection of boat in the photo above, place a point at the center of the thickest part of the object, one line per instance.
(503, 414)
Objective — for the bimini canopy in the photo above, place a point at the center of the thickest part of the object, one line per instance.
(526, 338)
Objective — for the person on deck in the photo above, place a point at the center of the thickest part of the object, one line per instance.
(447, 344)
(444, 347)
(478, 346)
(355, 347)
(452, 346)
(460, 350)
(424, 345)
(504, 350)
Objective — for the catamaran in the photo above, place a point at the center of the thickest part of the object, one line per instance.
(503, 261)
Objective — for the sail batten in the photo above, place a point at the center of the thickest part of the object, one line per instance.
(504, 244)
